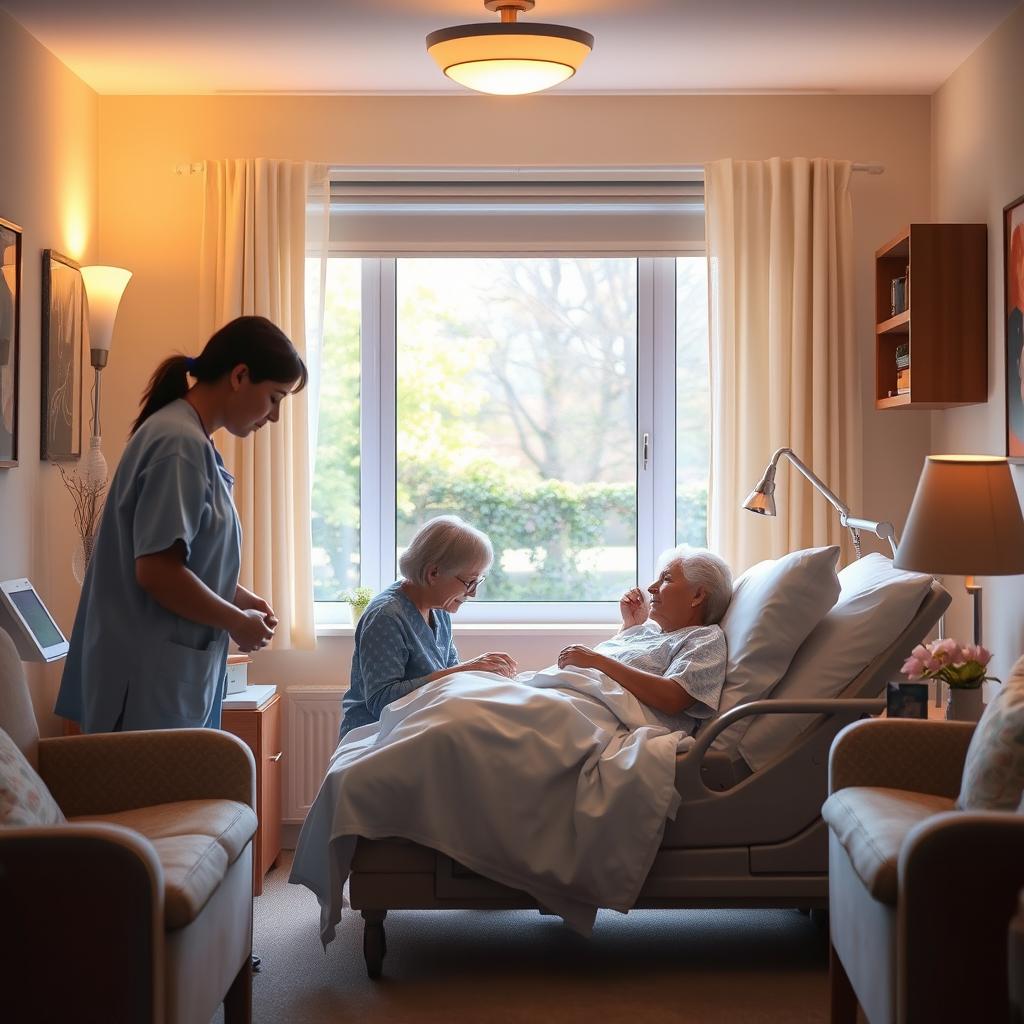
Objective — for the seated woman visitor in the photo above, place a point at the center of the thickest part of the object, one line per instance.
(670, 656)
(404, 638)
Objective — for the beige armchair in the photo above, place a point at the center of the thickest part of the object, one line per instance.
(920, 894)
(139, 908)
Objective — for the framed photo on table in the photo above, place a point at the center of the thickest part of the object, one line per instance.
(60, 433)
(1013, 279)
(10, 326)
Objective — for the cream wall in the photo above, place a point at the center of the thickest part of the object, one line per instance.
(151, 219)
(48, 124)
(978, 167)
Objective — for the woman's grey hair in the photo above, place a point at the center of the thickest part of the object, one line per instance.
(448, 542)
(704, 569)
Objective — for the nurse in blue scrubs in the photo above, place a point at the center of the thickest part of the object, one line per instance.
(161, 598)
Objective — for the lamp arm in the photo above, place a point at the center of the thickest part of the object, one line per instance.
(816, 481)
(882, 530)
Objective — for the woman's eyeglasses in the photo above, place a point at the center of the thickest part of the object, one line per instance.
(471, 585)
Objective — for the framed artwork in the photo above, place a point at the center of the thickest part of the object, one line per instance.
(906, 700)
(10, 321)
(1013, 263)
(60, 433)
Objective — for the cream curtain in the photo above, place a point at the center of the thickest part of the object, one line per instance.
(783, 365)
(253, 262)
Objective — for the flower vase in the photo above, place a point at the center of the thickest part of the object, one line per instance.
(80, 557)
(964, 704)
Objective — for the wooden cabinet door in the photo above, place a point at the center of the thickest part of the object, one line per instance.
(271, 771)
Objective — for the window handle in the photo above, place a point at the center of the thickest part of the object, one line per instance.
(646, 449)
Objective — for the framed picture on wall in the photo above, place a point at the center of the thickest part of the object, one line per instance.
(10, 321)
(60, 434)
(1013, 261)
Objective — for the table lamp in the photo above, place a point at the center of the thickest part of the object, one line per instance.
(965, 520)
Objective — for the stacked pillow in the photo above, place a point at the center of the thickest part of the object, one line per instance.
(994, 770)
(24, 798)
(775, 604)
(876, 603)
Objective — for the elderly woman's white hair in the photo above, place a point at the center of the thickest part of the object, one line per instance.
(448, 542)
(704, 569)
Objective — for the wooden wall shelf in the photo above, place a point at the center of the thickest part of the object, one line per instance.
(946, 319)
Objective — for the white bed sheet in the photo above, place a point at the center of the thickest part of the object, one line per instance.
(556, 783)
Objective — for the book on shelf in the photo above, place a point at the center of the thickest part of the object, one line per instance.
(902, 381)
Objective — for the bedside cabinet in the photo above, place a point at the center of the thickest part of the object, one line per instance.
(260, 729)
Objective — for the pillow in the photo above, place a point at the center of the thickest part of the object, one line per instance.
(775, 604)
(24, 798)
(994, 769)
(876, 603)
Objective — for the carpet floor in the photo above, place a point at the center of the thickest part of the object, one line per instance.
(507, 967)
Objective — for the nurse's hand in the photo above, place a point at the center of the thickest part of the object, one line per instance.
(251, 631)
(494, 661)
(246, 600)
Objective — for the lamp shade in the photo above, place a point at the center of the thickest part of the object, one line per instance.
(965, 519)
(509, 59)
(104, 287)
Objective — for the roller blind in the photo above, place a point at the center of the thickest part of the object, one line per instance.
(516, 212)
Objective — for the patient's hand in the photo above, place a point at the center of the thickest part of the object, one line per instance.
(578, 656)
(633, 608)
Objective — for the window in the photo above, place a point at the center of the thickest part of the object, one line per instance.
(558, 401)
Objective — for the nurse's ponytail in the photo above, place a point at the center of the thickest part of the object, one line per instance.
(253, 340)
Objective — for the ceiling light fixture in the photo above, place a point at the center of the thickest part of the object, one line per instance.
(509, 59)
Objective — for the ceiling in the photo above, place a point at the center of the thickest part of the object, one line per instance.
(641, 46)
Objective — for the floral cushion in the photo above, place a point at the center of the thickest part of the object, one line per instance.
(24, 798)
(994, 771)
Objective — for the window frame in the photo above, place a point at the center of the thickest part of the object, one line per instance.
(655, 417)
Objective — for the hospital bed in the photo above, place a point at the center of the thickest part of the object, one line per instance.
(740, 838)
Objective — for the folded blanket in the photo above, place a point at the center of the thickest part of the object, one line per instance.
(555, 783)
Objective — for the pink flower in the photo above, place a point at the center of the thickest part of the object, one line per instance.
(920, 652)
(946, 650)
(913, 667)
(975, 652)
(933, 664)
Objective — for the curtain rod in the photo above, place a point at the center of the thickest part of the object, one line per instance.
(693, 172)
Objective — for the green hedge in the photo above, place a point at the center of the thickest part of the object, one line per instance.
(551, 520)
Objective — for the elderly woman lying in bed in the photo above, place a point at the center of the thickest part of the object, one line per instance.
(671, 654)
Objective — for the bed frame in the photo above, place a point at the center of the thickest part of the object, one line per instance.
(739, 839)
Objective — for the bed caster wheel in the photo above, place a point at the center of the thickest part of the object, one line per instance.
(375, 944)
(819, 917)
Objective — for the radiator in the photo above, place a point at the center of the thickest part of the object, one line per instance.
(312, 716)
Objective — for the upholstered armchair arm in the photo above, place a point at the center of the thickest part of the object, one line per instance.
(960, 874)
(107, 772)
(76, 899)
(899, 753)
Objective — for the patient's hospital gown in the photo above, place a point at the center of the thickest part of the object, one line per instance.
(693, 657)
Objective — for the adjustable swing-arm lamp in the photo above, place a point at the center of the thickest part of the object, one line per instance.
(762, 501)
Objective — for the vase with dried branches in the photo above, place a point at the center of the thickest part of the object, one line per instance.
(87, 492)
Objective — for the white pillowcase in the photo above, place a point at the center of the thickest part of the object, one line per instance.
(775, 605)
(876, 604)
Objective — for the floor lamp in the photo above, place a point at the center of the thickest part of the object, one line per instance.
(104, 287)
(965, 521)
(762, 501)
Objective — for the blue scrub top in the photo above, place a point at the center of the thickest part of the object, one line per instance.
(395, 651)
(130, 659)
